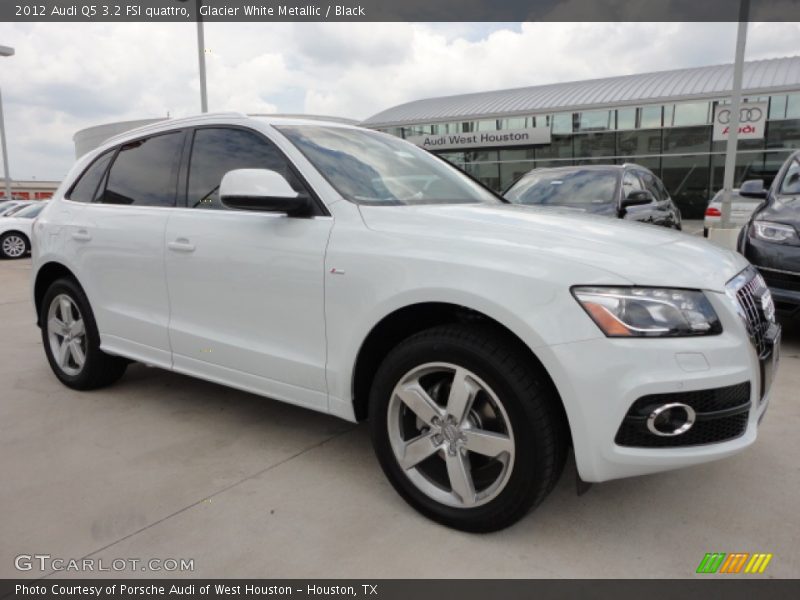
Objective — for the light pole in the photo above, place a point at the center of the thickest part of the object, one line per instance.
(5, 51)
(201, 58)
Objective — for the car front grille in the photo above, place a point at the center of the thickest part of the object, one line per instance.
(721, 414)
(755, 306)
(782, 280)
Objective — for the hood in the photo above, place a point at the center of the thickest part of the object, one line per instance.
(642, 254)
(783, 209)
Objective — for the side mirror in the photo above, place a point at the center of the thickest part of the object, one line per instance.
(754, 188)
(637, 198)
(262, 190)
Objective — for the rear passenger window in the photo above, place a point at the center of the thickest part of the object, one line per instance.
(145, 172)
(85, 190)
(216, 151)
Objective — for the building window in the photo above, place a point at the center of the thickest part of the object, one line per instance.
(516, 123)
(687, 181)
(486, 125)
(560, 147)
(595, 144)
(689, 113)
(777, 108)
(626, 118)
(687, 139)
(793, 106)
(595, 120)
(649, 117)
(562, 123)
(637, 143)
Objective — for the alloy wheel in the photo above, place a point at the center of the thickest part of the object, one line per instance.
(451, 435)
(14, 246)
(67, 334)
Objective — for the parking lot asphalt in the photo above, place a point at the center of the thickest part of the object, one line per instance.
(163, 466)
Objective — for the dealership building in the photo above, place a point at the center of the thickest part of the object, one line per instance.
(673, 122)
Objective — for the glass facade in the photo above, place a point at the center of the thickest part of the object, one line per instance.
(673, 140)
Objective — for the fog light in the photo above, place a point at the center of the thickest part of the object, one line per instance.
(671, 419)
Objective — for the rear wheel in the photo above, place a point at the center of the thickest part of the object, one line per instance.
(465, 428)
(14, 245)
(72, 342)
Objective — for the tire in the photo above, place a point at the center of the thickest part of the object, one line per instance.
(14, 244)
(64, 308)
(511, 400)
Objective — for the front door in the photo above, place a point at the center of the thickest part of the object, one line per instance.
(246, 288)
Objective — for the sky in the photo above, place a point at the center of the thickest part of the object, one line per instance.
(65, 77)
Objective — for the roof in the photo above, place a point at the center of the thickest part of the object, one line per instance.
(761, 77)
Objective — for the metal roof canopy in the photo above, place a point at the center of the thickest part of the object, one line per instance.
(761, 77)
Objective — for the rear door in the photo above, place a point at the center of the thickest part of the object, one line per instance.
(246, 288)
(118, 242)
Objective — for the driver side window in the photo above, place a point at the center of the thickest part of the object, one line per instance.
(217, 150)
(630, 183)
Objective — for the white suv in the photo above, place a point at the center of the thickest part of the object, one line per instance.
(352, 273)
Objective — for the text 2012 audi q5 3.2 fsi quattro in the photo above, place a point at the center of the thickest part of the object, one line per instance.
(350, 272)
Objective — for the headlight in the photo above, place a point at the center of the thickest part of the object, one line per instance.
(648, 312)
(777, 233)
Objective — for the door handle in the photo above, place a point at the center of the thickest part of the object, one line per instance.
(81, 235)
(181, 245)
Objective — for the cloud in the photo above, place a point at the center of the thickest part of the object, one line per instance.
(65, 77)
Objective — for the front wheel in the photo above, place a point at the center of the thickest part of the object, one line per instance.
(466, 429)
(72, 342)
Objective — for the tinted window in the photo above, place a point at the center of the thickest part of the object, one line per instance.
(630, 183)
(791, 181)
(579, 188)
(217, 151)
(144, 172)
(650, 184)
(86, 188)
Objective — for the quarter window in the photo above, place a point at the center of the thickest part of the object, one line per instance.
(145, 172)
(218, 150)
(85, 190)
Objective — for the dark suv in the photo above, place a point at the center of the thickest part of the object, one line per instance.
(771, 239)
(619, 191)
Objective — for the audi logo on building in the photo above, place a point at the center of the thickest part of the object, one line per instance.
(746, 115)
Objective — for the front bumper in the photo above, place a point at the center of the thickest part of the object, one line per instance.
(600, 379)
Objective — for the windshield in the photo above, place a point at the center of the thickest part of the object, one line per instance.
(14, 209)
(584, 188)
(367, 167)
(30, 211)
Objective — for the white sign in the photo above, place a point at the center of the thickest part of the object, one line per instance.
(483, 139)
(752, 119)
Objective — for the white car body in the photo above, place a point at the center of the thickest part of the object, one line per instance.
(741, 210)
(281, 307)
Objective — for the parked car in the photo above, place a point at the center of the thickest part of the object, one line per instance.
(15, 231)
(741, 209)
(350, 272)
(771, 239)
(627, 191)
(9, 207)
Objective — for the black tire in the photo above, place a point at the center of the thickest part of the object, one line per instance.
(528, 398)
(99, 369)
(16, 235)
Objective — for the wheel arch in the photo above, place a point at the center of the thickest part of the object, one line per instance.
(408, 320)
(45, 276)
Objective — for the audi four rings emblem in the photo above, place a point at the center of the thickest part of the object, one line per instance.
(746, 115)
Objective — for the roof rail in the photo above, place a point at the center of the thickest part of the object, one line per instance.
(149, 126)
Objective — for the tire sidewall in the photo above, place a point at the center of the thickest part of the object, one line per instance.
(526, 477)
(71, 289)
